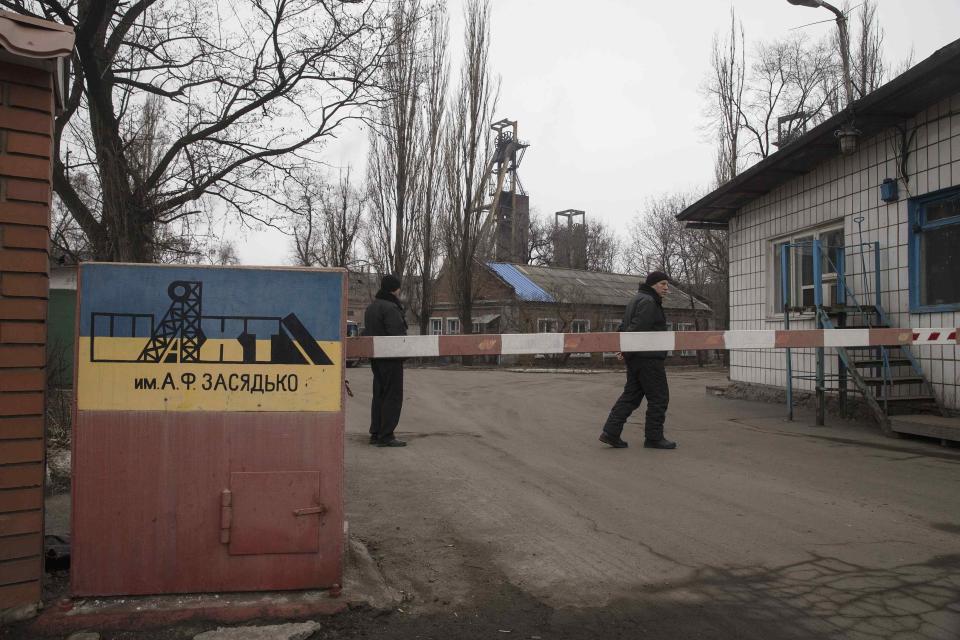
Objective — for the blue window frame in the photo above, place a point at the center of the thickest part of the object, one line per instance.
(934, 259)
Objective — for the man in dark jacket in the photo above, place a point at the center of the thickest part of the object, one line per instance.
(385, 317)
(646, 374)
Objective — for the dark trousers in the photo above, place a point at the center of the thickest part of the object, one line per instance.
(387, 398)
(645, 377)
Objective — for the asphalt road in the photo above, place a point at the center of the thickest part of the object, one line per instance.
(505, 517)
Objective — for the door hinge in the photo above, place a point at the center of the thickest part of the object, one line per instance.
(226, 515)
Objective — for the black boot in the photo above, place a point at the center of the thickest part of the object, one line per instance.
(613, 441)
(662, 443)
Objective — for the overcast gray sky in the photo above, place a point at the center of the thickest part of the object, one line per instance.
(607, 93)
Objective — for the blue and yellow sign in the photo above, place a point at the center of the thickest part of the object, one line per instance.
(159, 338)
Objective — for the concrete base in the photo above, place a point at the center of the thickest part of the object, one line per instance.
(364, 585)
(927, 425)
(18, 614)
(151, 612)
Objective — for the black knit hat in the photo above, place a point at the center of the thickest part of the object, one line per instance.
(654, 277)
(390, 283)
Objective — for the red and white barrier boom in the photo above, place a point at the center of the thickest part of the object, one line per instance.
(537, 343)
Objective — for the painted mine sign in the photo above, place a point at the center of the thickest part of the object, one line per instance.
(196, 339)
(208, 444)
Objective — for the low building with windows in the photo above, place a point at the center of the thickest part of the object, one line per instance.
(856, 223)
(514, 298)
(362, 289)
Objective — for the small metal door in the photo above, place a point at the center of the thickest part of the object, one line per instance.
(272, 512)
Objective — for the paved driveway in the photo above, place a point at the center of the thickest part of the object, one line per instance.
(507, 511)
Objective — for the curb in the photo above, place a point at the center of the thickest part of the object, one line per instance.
(152, 612)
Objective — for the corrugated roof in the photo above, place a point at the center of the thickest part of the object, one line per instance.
(557, 284)
(524, 287)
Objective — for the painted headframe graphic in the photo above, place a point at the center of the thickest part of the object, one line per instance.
(187, 338)
(179, 336)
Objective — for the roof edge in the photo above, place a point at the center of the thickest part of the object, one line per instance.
(32, 37)
(949, 53)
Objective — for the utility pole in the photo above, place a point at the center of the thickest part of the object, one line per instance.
(844, 40)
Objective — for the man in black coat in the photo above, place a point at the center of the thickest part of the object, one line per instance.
(385, 317)
(646, 374)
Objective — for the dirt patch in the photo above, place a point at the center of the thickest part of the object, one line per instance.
(856, 409)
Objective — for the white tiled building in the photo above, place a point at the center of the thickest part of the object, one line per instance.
(911, 135)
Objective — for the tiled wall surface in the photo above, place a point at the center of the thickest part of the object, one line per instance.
(840, 191)
(26, 123)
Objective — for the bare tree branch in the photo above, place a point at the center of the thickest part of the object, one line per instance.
(241, 98)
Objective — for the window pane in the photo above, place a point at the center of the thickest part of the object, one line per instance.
(778, 277)
(832, 242)
(546, 326)
(940, 266)
(806, 260)
(942, 209)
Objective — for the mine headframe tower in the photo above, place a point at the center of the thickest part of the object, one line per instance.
(507, 206)
(570, 239)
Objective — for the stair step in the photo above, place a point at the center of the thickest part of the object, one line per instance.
(878, 362)
(894, 380)
(863, 309)
(872, 326)
(909, 399)
(928, 425)
(889, 347)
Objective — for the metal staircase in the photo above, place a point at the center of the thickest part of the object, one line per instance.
(889, 379)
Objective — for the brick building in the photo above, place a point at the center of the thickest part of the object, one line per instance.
(32, 79)
(513, 298)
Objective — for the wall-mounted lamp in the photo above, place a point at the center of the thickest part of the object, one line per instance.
(847, 135)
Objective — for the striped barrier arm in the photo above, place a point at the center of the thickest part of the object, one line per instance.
(547, 343)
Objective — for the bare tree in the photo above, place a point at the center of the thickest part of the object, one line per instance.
(395, 143)
(468, 146)
(304, 199)
(224, 254)
(432, 197)
(603, 247)
(237, 90)
(696, 259)
(540, 249)
(794, 79)
(602, 252)
(656, 237)
(868, 66)
(343, 219)
(724, 89)
(715, 253)
(326, 219)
